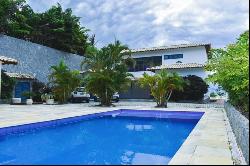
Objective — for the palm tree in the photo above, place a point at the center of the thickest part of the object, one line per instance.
(63, 81)
(162, 85)
(107, 71)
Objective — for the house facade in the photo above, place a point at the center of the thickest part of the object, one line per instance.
(185, 59)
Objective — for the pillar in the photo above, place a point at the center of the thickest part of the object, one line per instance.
(0, 77)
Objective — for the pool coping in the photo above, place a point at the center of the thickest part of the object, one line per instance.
(196, 151)
(159, 114)
(185, 155)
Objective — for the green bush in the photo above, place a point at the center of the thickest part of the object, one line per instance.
(162, 85)
(213, 94)
(63, 81)
(231, 70)
(28, 94)
(193, 90)
(7, 84)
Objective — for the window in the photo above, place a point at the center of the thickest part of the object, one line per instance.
(173, 56)
(146, 62)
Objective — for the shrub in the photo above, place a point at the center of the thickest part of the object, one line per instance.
(28, 94)
(213, 94)
(230, 68)
(63, 81)
(7, 84)
(162, 85)
(47, 96)
(193, 90)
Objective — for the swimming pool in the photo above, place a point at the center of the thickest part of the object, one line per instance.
(115, 137)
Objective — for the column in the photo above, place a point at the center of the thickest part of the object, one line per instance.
(0, 77)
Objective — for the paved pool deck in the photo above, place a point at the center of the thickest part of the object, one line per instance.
(209, 142)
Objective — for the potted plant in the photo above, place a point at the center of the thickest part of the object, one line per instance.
(213, 96)
(29, 95)
(16, 100)
(48, 98)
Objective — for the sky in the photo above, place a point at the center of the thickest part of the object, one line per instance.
(151, 23)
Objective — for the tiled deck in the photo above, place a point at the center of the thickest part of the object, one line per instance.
(208, 143)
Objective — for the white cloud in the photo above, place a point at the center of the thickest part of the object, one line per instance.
(144, 23)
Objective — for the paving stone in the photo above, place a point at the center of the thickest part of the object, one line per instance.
(211, 160)
(206, 144)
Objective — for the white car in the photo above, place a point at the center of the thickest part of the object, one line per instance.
(80, 95)
(115, 97)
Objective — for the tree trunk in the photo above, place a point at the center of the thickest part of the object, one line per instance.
(169, 95)
(105, 99)
(162, 102)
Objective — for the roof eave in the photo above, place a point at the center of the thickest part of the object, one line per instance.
(207, 46)
(6, 61)
(154, 69)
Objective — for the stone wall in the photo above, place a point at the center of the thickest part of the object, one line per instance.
(33, 58)
(240, 127)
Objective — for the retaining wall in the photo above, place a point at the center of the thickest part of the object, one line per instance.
(33, 58)
(240, 127)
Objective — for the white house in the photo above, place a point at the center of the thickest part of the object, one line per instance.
(185, 59)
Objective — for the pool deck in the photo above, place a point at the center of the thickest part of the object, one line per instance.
(208, 143)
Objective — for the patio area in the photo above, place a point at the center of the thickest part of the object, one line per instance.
(211, 141)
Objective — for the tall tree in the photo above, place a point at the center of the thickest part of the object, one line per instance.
(56, 28)
(107, 71)
(13, 20)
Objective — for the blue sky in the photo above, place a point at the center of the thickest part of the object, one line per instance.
(148, 23)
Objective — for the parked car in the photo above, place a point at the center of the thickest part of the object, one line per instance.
(213, 97)
(115, 97)
(80, 95)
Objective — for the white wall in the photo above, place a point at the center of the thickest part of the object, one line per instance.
(190, 55)
(200, 72)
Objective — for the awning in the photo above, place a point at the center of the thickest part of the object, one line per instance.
(6, 60)
(20, 76)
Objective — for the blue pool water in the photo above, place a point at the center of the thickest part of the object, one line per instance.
(101, 140)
